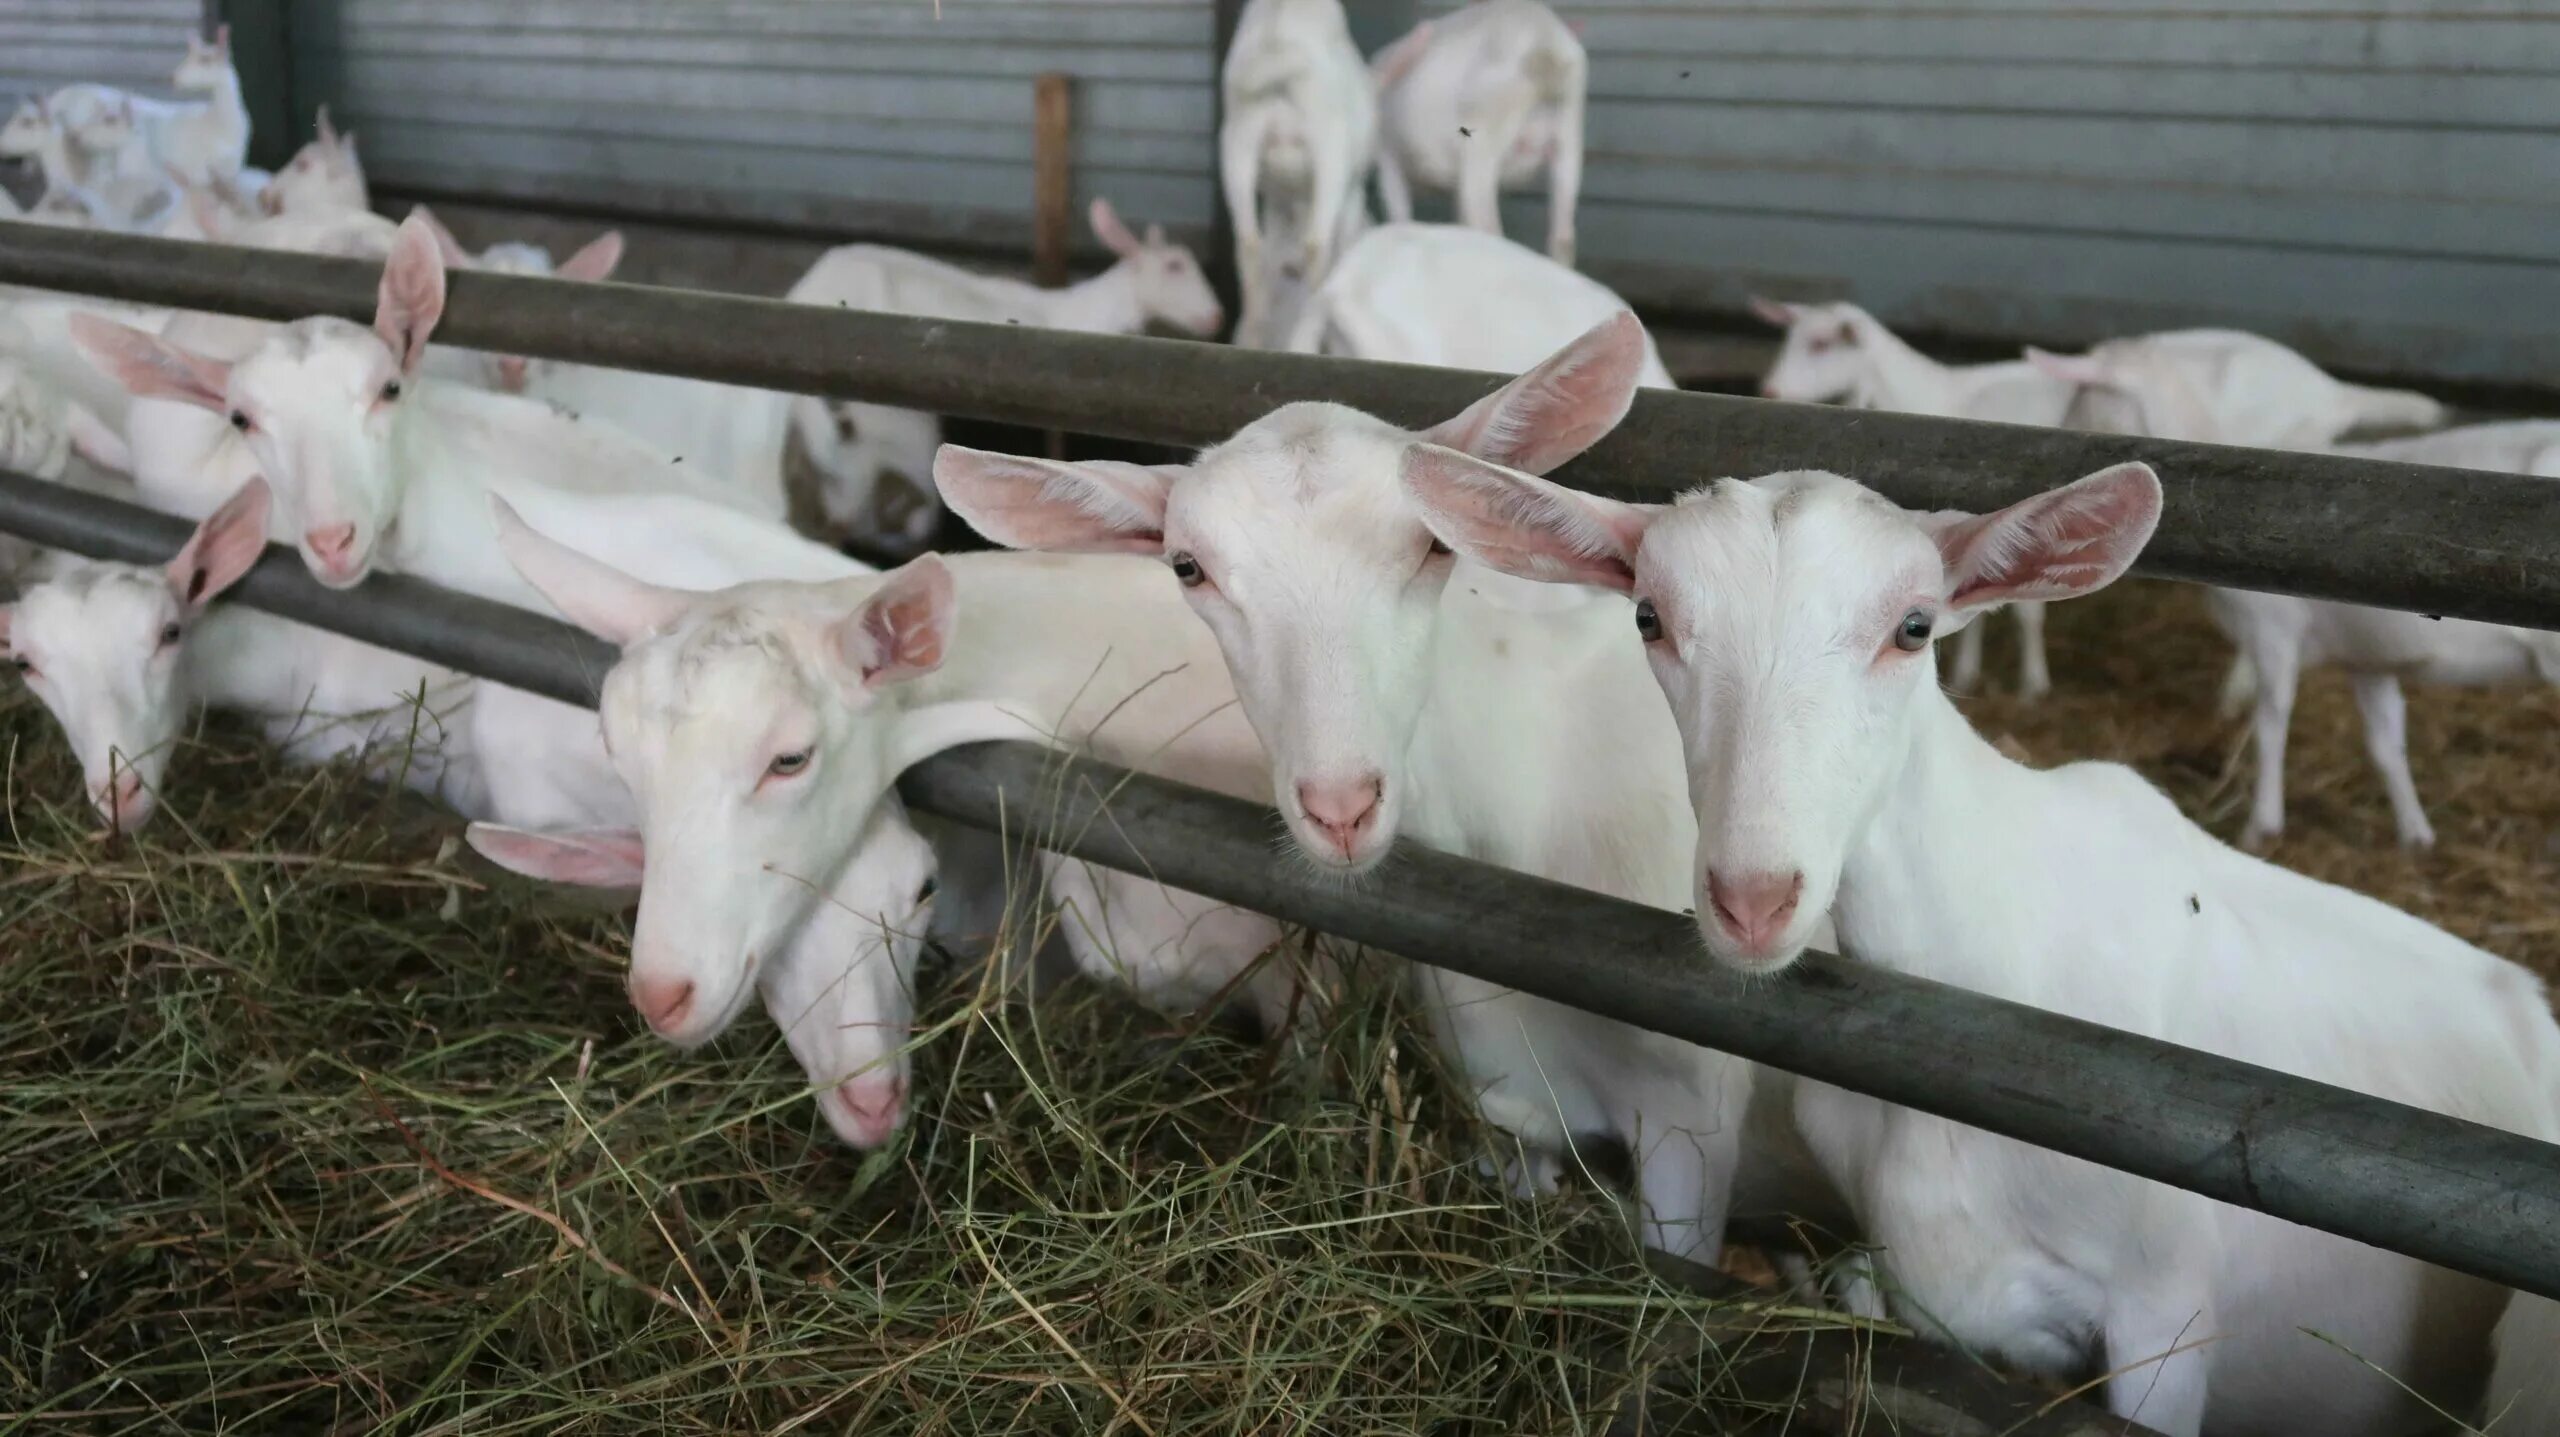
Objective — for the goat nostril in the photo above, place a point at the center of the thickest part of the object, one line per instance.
(1344, 810)
(1754, 907)
(333, 541)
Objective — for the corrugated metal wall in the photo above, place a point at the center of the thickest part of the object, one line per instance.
(863, 115)
(2376, 180)
(132, 44)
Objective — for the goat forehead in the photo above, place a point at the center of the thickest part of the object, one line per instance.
(1805, 541)
(93, 608)
(1312, 469)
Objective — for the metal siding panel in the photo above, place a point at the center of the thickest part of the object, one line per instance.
(870, 117)
(131, 44)
(2376, 180)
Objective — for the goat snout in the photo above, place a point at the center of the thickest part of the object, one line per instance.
(665, 1002)
(871, 1107)
(334, 545)
(1345, 810)
(122, 801)
(1753, 908)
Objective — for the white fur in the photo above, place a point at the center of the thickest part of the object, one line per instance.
(2524, 1385)
(123, 654)
(1418, 294)
(853, 445)
(714, 684)
(2280, 635)
(1485, 716)
(323, 175)
(1488, 95)
(44, 435)
(1840, 353)
(1816, 744)
(1294, 148)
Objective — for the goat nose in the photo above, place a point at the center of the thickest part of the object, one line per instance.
(873, 1104)
(1753, 908)
(331, 541)
(1343, 808)
(122, 801)
(665, 1002)
(511, 374)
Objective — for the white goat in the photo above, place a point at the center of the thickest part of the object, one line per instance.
(750, 722)
(46, 436)
(374, 461)
(123, 653)
(853, 445)
(727, 430)
(1487, 716)
(36, 134)
(1416, 294)
(1300, 129)
(1480, 98)
(1788, 621)
(323, 175)
(2279, 635)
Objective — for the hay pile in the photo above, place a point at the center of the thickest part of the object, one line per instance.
(308, 1130)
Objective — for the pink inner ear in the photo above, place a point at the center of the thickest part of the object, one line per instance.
(411, 298)
(1094, 507)
(2070, 541)
(596, 260)
(901, 631)
(593, 857)
(1560, 408)
(1525, 526)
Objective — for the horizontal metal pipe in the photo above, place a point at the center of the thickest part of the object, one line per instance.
(2451, 1192)
(2436, 541)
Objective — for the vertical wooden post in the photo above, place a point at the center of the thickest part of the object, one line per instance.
(1052, 194)
(1052, 176)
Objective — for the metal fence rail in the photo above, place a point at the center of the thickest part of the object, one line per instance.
(2451, 1192)
(2436, 541)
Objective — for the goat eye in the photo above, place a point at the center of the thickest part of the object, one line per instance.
(26, 667)
(390, 390)
(930, 888)
(1438, 548)
(1648, 623)
(784, 765)
(1913, 636)
(240, 420)
(170, 634)
(1188, 570)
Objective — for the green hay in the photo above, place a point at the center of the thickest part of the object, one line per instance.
(311, 1126)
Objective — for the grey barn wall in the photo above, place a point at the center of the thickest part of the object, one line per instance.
(860, 116)
(2377, 181)
(131, 44)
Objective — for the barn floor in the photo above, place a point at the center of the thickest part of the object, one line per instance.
(314, 1125)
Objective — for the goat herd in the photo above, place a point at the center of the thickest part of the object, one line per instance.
(1727, 704)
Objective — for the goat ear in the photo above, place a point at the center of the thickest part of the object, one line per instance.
(591, 857)
(1107, 228)
(2058, 545)
(1558, 409)
(224, 547)
(2068, 368)
(1100, 506)
(411, 298)
(595, 260)
(151, 367)
(1776, 312)
(588, 592)
(1397, 60)
(447, 247)
(903, 629)
(328, 132)
(222, 38)
(96, 440)
(1506, 520)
